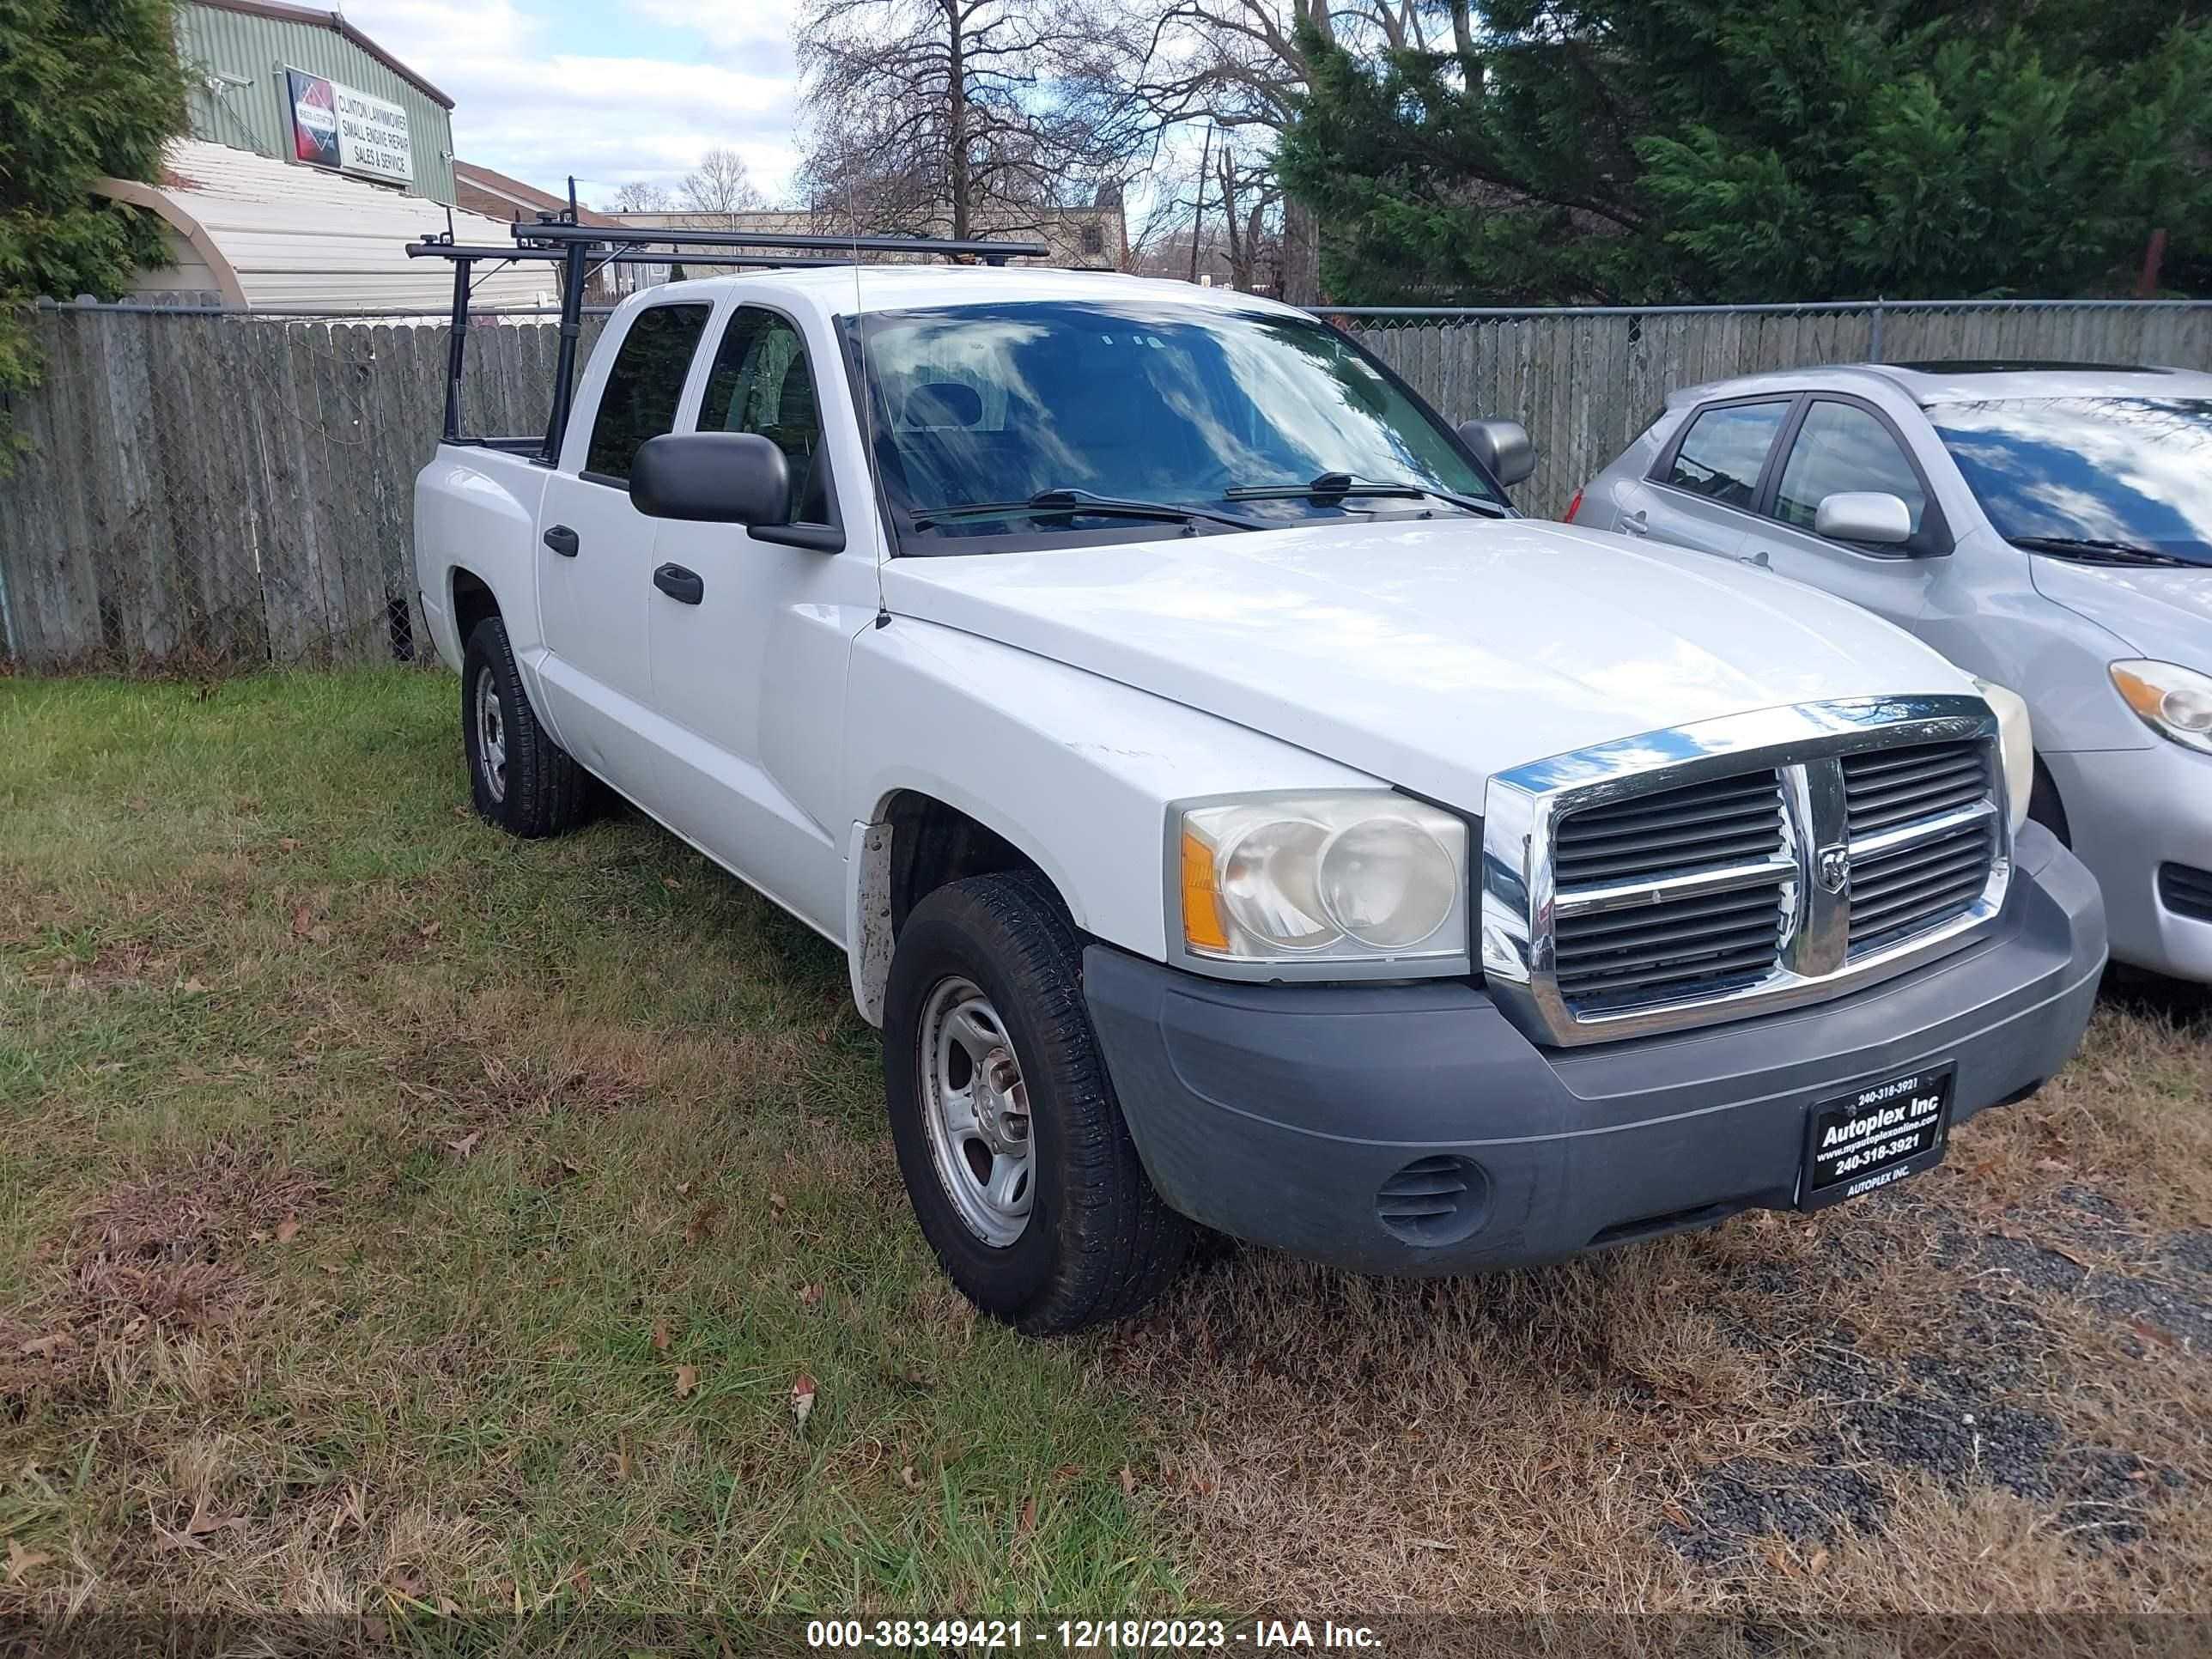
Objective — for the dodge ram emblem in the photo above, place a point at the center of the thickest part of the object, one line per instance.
(1833, 867)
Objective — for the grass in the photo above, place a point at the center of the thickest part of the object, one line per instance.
(397, 1220)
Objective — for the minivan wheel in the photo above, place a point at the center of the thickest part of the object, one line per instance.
(519, 778)
(1011, 1145)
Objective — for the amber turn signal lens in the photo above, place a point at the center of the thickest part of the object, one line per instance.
(1202, 926)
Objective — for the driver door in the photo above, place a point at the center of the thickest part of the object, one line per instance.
(749, 677)
(1840, 445)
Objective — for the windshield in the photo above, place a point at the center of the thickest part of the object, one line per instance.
(1137, 402)
(2117, 472)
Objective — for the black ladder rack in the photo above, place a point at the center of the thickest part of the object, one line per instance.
(580, 249)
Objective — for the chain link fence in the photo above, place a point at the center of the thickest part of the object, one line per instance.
(209, 492)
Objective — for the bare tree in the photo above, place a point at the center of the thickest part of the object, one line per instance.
(1249, 197)
(720, 184)
(1240, 64)
(641, 197)
(962, 114)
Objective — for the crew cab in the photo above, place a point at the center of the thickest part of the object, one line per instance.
(1232, 811)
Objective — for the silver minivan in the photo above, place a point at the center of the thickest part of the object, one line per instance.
(2046, 526)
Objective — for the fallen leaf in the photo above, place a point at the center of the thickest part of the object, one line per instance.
(811, 1296)
(671, 884)
(621, 1458)
(911, 1479)
(289, 843)
(1067, 1472)
(1820, 1561)
(687, 1378)
(303, 923)
(465, 1144)
(288, 1230)
(202, 1524)
(408, 1584)
(2151, 1333)
(682, 1188)
(1028, 1521)
(22, 1561)
(192, 987)
(802, 1399)
(703, 1225)
(430, 929)
(660, 1336)
(46, 1348)
(1128, 1481)
(777, 1202)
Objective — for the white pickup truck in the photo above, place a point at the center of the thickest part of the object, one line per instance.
(1231, 810)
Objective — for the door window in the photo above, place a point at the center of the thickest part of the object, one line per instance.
(643, 387)
(1725, 450)
(1842, 447)
(760, 383)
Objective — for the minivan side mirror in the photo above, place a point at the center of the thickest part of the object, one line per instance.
(1864, 515)
(1504, 447)
(711, 477)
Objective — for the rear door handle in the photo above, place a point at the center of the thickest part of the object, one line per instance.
(563, 540)
(1635, 524)
(684, 587)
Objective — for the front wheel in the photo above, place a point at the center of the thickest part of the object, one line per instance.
(1015, 1156)
(519, 777)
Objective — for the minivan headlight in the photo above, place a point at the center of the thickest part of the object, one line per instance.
(2174, 701)
(2017, 740)
(1338, 883)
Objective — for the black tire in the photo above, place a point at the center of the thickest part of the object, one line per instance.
(1098, 1244)
(541, 791)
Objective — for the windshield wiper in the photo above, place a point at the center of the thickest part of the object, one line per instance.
(2092, 550)
(1343, 483)
(1047, 503)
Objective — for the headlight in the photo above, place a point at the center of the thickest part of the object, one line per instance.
(2173, 701)
(2018, 741)
(1322, 885)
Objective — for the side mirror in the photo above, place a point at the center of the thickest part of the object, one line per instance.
(1504, 447)
(711, 477)
(1854, 516)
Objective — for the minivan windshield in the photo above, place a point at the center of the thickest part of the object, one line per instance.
(1041, 419)
(2119, 479)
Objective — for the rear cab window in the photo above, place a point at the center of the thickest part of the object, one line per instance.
(643, 387)
(1724, 450)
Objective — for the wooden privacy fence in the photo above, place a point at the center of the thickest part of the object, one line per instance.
(1587, 382)
(212, 490)
(207, 490)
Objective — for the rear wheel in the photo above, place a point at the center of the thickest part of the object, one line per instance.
(519, 777)
(1014, 1152)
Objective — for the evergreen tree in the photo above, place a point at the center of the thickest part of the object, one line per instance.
(1644, 150)
(88, 89)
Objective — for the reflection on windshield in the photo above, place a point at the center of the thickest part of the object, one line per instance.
(1136, 401)
(2135, 471)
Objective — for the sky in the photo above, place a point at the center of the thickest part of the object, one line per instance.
(612, 92)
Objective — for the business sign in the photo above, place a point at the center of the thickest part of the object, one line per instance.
(338, 126)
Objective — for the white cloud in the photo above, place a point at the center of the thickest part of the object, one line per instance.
(541, 89)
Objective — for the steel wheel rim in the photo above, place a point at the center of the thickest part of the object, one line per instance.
(974, 1109)
(491, 735)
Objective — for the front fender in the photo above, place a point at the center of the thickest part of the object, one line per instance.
(1075, 770)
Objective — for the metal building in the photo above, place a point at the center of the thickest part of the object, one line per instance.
(240, 52)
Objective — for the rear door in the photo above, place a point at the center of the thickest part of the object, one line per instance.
(1703, 489)
(749, 665)
(595, 548)
(1837, 444)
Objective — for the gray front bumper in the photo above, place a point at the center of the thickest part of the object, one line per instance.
(1278, 1113)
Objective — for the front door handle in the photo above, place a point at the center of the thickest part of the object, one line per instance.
(1758, 558)
(563, 540)
(684, 587)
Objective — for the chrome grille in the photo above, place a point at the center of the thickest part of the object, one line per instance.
(1885, 787)
(1761, 859)
(1687, 944)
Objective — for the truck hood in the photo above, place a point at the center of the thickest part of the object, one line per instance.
(1428, 654)
(2165, 614)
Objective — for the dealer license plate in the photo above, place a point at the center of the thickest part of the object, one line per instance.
(1866, 1139)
